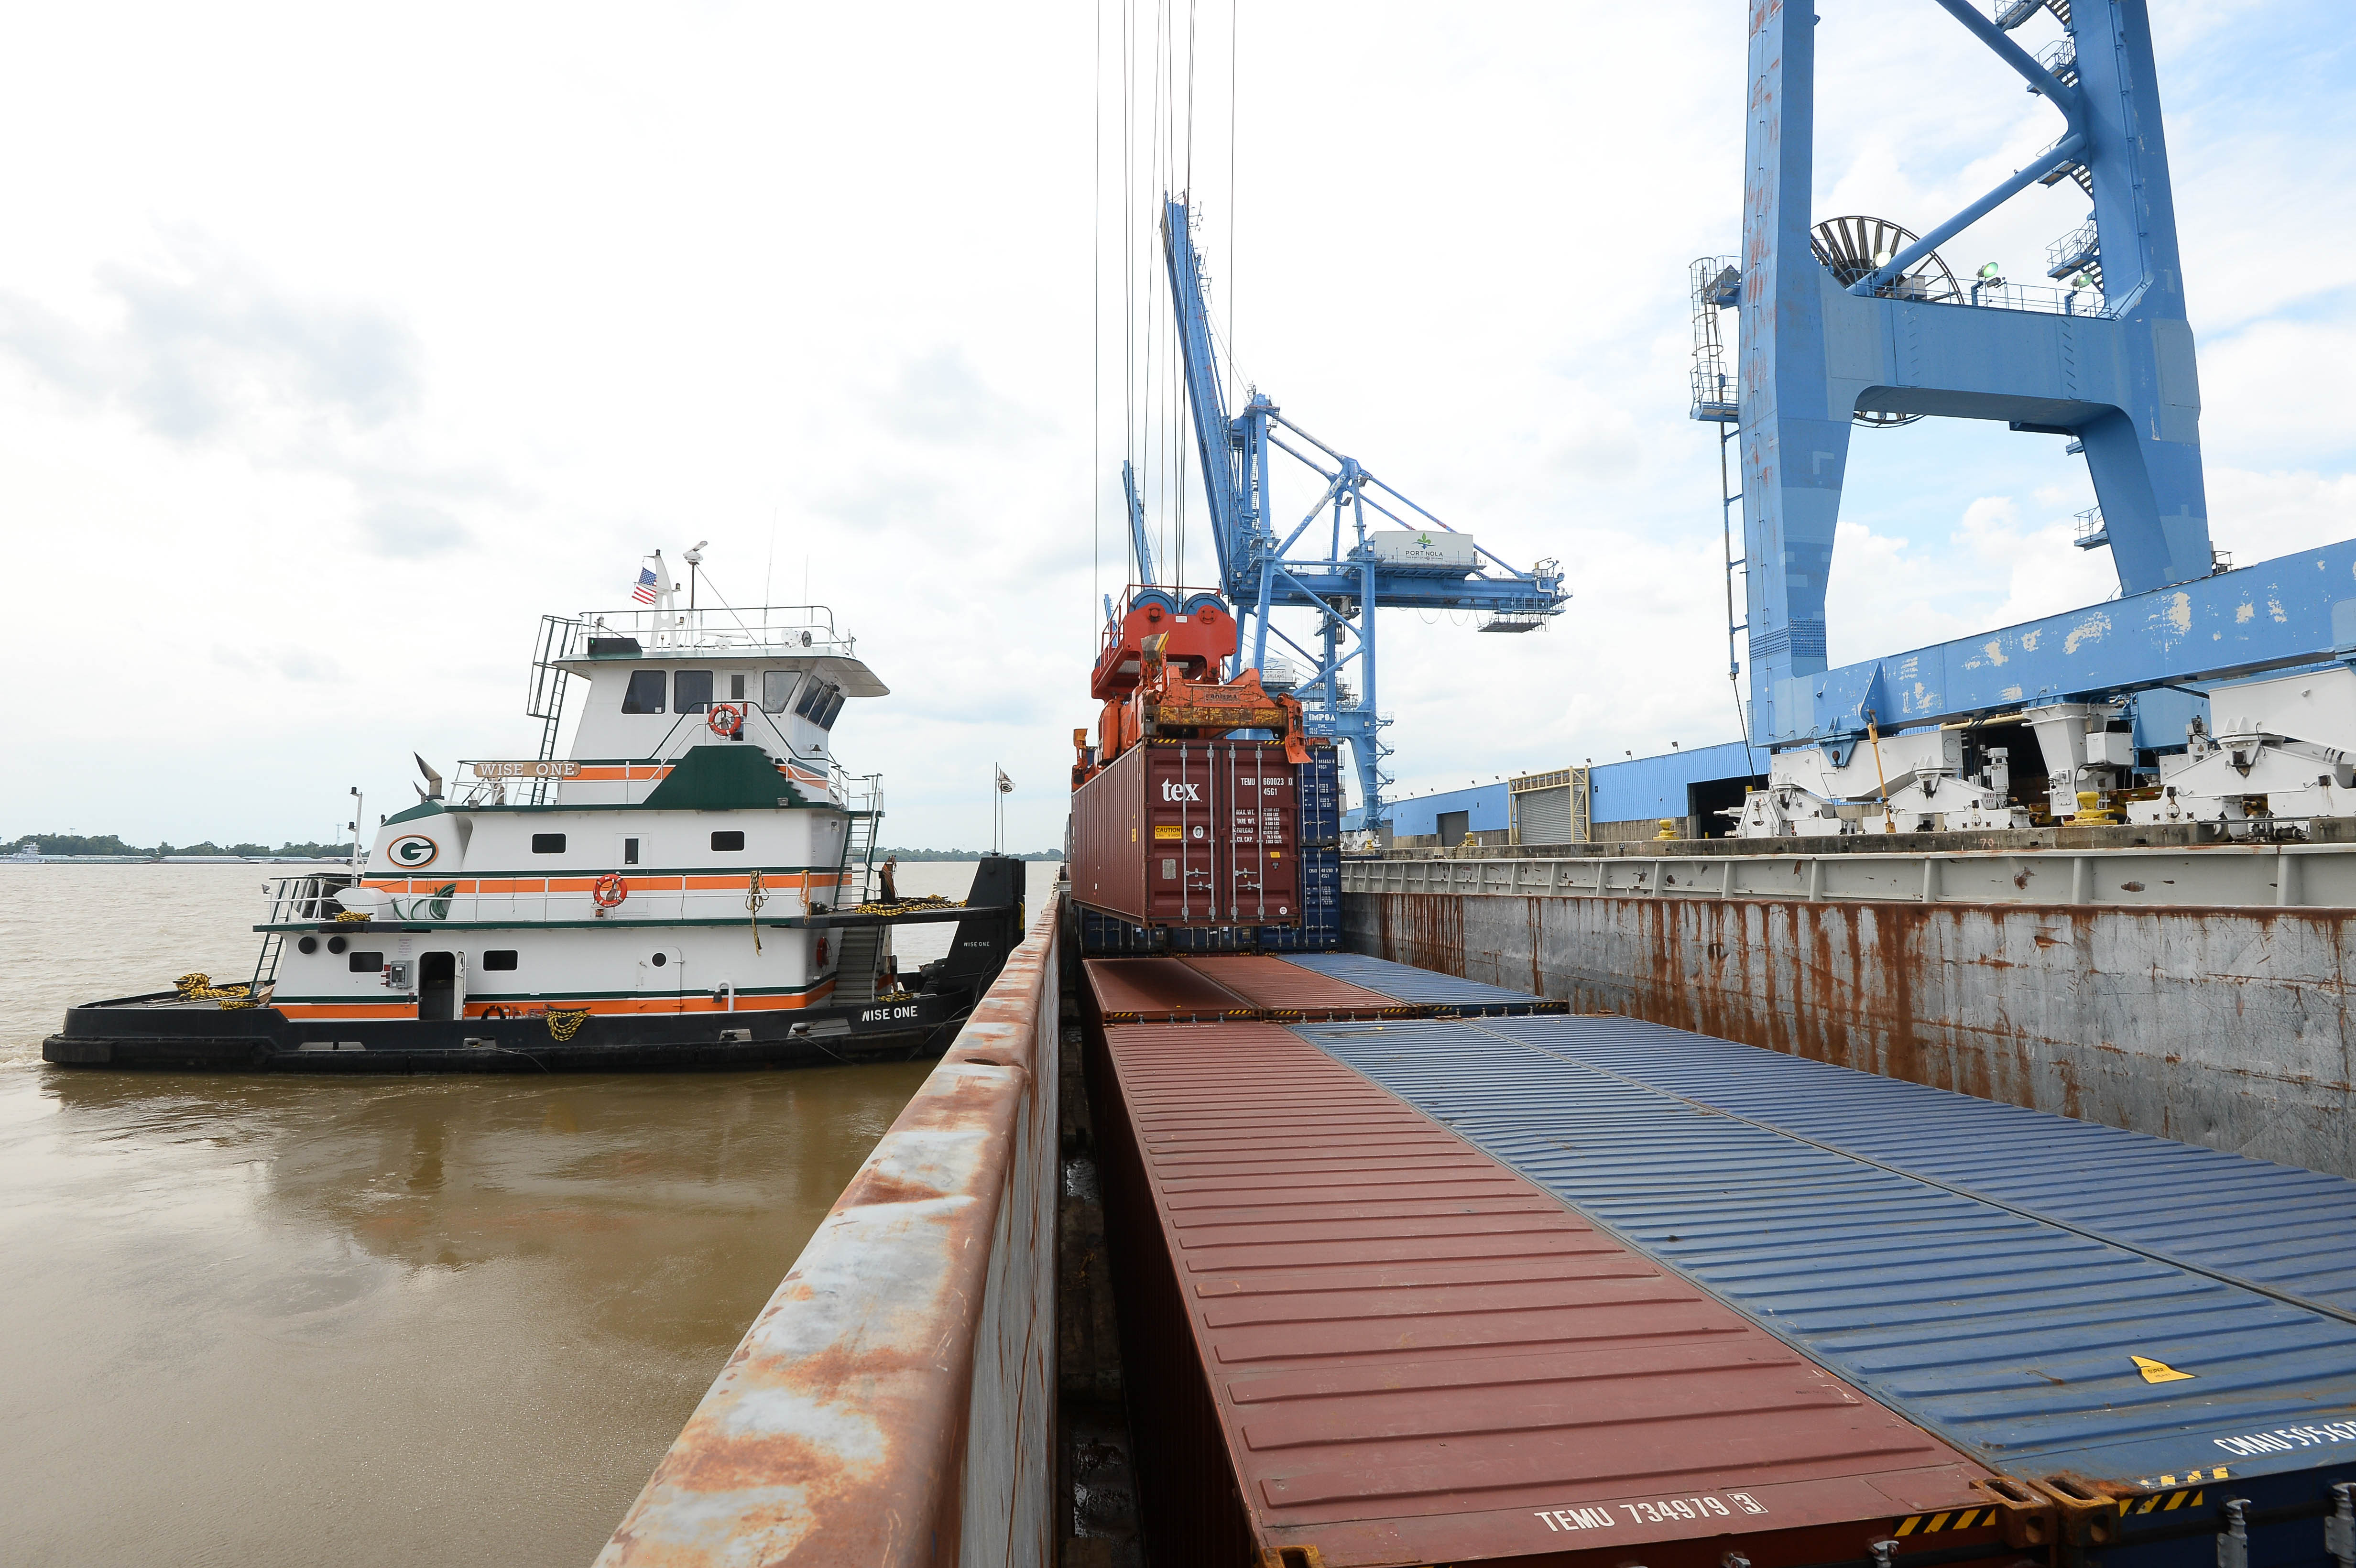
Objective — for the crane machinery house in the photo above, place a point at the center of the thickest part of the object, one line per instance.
(687, 887)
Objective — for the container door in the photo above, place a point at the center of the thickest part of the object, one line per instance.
(437, 987)
(1180, 814)
(1262, 807)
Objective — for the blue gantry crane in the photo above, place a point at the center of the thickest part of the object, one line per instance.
(1855, 321)
(1403, 557)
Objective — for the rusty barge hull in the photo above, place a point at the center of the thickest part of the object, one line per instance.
(2227, 1027)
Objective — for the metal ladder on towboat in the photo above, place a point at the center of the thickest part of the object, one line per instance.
(866, 808)
(546, 701)
(860, 949)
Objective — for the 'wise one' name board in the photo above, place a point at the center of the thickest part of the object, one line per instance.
(532, 770)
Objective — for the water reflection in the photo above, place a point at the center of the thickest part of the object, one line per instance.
(397, 1320)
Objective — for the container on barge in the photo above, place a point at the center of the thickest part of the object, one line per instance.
(1395, 1349)
(2157, 1337)
(1190, 834)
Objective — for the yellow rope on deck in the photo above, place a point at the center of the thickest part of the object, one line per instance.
(564, 1023)
(197, 987)
(903, 906)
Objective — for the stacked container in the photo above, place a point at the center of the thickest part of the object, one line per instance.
(1314, 923)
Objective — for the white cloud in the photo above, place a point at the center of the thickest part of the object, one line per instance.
(355, 373)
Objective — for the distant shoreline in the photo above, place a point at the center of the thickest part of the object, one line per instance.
(167, 860)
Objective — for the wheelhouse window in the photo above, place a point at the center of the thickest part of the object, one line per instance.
(548, 843)
(825, 720)
(778, 689)
(499, 958)
(726, 841)
(645, 692)
(813, 694)
(736, 688)
(690, 691)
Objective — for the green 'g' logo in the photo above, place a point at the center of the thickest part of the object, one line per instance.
(412, 850)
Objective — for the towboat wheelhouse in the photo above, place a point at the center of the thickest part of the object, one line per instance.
(687, 883)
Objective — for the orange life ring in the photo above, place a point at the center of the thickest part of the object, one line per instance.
(610, 892)
(725, 719)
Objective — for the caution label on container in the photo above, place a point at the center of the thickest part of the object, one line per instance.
(1954, 1519)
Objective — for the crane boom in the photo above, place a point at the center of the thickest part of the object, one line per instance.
(1403, 557)
(1137, 523)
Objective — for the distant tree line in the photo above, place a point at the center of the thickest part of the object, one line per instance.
(108, 844)
(963, 854)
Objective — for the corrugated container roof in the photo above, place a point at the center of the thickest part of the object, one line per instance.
(2014, 1336)
(1127, 990)
(2277, 1228)
(1409, 984)
(1278, 986)
(1417, 1356)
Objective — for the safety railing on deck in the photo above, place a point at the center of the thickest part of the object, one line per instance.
(305, 900)
(790, 629)
(893, 1404)
(2216, 875)
(534, 900)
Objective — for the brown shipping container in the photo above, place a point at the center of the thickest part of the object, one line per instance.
(1190, 833)
(1284, 990)
(1354, 1339)
(1130, 990)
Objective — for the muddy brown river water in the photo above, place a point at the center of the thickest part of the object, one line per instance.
(275, 1320)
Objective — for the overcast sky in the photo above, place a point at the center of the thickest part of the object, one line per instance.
(337, 348)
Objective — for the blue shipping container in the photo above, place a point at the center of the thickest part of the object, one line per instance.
(2177, 1402)
(1409, 984)
(2277, 1228)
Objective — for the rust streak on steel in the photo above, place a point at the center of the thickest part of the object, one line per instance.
(897, 1391)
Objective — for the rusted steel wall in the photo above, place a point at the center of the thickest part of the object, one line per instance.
(2223, 1027)
(894, 1402)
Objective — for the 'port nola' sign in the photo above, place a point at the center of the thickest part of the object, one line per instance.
(1434, 547)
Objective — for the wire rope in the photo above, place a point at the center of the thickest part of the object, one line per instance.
(1096, 333)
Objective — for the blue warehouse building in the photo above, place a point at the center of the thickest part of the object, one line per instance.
(1610, 801)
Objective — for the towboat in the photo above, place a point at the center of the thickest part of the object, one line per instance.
(688, 887)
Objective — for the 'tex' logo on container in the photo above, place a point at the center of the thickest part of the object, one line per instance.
(1173, 791)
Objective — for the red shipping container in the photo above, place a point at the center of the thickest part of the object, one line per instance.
(1353, 1338)
(1190, 833)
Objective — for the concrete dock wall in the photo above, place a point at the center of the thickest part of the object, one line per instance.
(894, 1405)
(2227, 1027)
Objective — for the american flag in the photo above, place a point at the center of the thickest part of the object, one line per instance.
(645, 591)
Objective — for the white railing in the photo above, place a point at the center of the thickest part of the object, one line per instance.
(783, 629)
(2210, 876)
(305, 900)
(645, 900)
